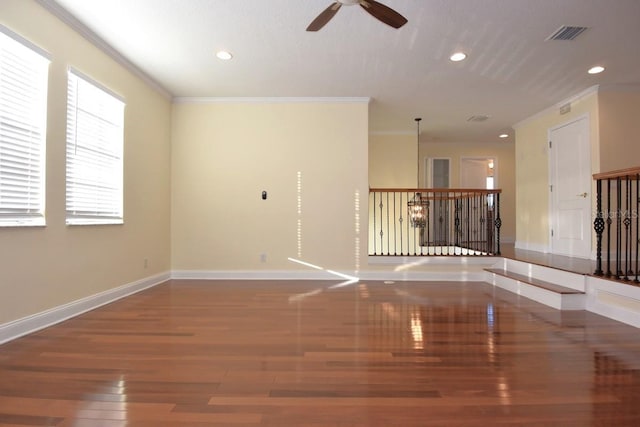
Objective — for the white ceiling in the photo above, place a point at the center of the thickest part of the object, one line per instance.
(510, 74)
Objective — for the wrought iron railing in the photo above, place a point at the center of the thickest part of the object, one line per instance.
(442, 222)
(617, 223)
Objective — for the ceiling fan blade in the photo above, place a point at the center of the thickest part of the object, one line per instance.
(324, 17)
(383, 13)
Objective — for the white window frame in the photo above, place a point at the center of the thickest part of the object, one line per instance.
(24, 74)
(95, 153)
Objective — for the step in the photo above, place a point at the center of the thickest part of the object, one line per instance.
(542, 291)
(548, 274)
(535, 282)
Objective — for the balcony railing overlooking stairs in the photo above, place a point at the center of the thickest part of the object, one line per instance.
(434, 222)
(617, 224)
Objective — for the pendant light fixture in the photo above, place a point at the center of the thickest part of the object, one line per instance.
(418, 206)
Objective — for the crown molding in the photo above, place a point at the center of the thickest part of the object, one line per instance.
(391, 133)
(270, 100)
(620, 87)
(583, 94)
(58, 11)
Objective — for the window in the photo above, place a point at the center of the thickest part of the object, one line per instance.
(23, 117)
(95, 119)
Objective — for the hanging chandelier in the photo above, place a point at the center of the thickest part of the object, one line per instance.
(418, 206)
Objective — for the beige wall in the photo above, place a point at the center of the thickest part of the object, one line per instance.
(619, 128)
(392, 161)
(505, 156)
(45, 267)
(532, 168)
(226, 154)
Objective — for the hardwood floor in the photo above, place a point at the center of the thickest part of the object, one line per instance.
(289, 353)
(559, 262)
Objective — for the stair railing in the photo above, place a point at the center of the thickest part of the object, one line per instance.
(617, 223)
(434, 222)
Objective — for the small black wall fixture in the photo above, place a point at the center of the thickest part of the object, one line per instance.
(264, 195)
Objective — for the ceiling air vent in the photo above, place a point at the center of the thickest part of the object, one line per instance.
(478, 118)
(566, 33)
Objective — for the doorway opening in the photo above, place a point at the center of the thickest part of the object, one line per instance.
(479, 172)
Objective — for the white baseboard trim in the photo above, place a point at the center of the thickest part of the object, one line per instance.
(429, 276)
(424, 276)
(254, 275)
(17, 328)
(536, 247)
(432, 260)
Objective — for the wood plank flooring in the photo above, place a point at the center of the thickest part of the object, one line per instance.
(559, 262)
(292, 353)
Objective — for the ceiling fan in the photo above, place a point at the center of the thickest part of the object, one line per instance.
(377, 10)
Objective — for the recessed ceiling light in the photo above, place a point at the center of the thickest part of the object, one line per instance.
(224, 55)
(458, 56)
(503, 135)
(596, 70)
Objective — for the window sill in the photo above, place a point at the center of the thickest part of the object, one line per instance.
(23, 223)
(74, 222)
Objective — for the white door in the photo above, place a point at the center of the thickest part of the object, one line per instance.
(570, 179)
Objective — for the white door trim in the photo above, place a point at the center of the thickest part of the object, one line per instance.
(551, 178)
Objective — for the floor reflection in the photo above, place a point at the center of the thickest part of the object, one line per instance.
(510, 351)
(97, 406)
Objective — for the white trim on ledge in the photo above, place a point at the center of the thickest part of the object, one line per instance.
(617, 301)
(62, 14)
(424, 276)
(26, 325)
(432, 260)
(271, 100)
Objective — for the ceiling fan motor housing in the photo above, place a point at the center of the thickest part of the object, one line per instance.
(377, 10)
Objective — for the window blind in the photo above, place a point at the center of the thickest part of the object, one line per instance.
(23, 110)
(95, 119)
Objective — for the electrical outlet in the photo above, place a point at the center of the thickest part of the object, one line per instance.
(263, 257)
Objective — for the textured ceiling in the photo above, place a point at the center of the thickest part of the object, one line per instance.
(510, 74)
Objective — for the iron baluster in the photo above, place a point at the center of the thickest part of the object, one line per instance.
(598, 226)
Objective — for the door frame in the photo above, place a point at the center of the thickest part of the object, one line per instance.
(551, 181)
(495, 168)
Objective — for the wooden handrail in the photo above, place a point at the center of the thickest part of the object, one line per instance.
(437, 190)
(620, 173)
